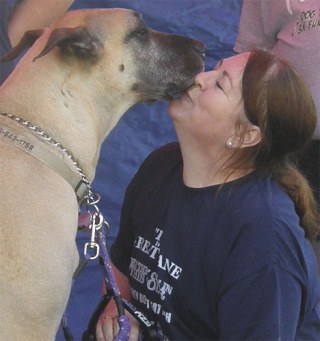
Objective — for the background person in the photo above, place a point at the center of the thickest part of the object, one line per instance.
(22, 15)
(5, 45)
(290, 30)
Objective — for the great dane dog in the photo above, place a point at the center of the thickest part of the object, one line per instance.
(73, 84)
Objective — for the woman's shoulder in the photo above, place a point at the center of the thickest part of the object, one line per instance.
(270, 208)
(268, 222)
(265, 232)
(261, 212)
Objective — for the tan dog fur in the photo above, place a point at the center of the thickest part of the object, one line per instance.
(76, 96)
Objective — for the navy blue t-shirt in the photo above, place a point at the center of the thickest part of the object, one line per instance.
(226, 262)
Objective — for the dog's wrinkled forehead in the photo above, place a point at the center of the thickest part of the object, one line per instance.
(98, 15)
(132, 24)
(103, 21)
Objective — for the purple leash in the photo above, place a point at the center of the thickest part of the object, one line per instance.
(96, 247)
(123, 320)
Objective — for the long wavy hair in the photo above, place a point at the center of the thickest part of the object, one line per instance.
(278, 101)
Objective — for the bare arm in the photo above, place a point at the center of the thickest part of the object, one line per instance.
(33, 14)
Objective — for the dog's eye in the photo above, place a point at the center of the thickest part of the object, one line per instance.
(141, 33)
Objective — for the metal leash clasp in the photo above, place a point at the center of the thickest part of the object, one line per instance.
(96, 224)
(92, 248)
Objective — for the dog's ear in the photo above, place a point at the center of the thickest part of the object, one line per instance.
(27, 40)
(79, 41)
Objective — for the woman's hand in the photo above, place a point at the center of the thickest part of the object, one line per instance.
(108, 328)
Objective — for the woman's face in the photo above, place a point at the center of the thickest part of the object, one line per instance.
(209, 110)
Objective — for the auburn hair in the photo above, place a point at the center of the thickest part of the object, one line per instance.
(277, 100)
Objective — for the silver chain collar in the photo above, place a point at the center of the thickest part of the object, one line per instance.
(51, 140)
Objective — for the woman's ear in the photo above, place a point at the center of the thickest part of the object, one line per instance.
(252, 137)
(249, 138)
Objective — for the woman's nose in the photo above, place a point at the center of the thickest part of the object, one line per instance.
(204, 79)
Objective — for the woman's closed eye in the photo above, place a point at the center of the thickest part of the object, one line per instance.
(218, 85)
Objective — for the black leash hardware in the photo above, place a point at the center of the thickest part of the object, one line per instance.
(90, 333)
(66, 331)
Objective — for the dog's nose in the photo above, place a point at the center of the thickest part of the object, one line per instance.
(199, 47)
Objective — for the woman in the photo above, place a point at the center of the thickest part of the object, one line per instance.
(213, 242)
